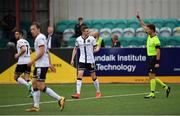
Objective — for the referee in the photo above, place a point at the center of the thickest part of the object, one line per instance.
(153, 52)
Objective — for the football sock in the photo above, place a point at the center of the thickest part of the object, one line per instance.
(78, 85)
(22, 81)
(51, 93)
(161, 83)
(30, 82)
(96, 84)
(36, 97)
(153, 85)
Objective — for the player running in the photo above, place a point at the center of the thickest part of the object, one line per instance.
(42, 63)
(23, 56)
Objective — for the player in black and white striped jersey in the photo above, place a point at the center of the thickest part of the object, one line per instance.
(87, 46)
(23, 56)
(42, 62)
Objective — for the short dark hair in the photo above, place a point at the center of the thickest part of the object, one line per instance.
(20, 32)
(83, 28)
(152, 27)
(36, 24)
(80, 18)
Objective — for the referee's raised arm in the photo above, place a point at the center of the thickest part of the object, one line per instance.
(141, 22)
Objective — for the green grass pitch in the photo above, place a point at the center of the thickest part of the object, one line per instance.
(118, 99)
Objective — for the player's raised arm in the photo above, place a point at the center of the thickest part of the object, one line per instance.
(141, 22)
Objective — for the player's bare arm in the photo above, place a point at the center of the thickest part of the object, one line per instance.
(73, 56)
(22, 51)
(52, 68)
(96, 48)
(39, 55)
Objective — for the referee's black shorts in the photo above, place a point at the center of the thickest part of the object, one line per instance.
(151, 64)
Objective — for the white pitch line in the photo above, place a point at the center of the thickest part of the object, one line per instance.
(71, 100)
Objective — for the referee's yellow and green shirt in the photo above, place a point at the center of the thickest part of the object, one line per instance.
(151, 44)
(99, 41)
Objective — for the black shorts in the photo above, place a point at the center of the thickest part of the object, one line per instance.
(40, 73)
(22, 68)
(151, 64)
(87, 66)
